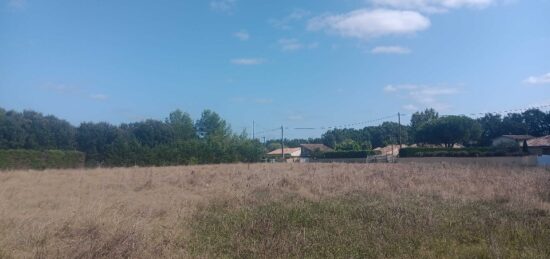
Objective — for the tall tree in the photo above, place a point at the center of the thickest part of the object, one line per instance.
(151, 133)
(182, 125)
(514, 123)
(211, 124)
(491, 125)
(94, 139)
(450, 130)
(418, 119)
(536, 122)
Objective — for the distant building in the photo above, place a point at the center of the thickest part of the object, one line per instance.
(511, 140)
(309, 149)
(292, 154)
(539, 146)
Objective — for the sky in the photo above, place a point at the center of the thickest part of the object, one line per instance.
(302, 64)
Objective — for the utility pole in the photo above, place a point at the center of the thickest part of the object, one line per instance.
(253, 130)
(282, 142)
(399, 120)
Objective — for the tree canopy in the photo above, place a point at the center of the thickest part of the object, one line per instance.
(176, 140)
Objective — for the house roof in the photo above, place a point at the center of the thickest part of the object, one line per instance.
(539, 142)
(313, 147)
(287, 151)
(518, 137)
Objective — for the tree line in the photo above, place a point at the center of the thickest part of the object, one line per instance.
(181, 140)
(176, 140)
(429, 128)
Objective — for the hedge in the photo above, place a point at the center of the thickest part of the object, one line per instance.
(33, 159)
(458, 152)
(348, 154)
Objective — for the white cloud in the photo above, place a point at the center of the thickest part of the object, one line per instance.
(242, 35)
(99, 97)
(295, 44)
(247, 61)
(422, 96)
(538, 80)
(286, 22)
(290, 44)
(390, 50)
(226, 6)
(390, 88)
(366, 24)
(395, 88)
(433, 6)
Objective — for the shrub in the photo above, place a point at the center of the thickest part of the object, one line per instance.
(33, 159)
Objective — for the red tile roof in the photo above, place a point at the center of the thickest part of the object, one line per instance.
(539, 142)
(313, 147)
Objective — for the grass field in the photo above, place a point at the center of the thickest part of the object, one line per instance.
(277, 210)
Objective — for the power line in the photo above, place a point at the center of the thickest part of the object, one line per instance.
(396, 116)
(506, 111)
(348, 125)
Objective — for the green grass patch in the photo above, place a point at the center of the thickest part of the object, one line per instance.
(370, 227)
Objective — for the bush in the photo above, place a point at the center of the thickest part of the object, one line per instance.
(459, 152)
(33, 159)
(348, 154)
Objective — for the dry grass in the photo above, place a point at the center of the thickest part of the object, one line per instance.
(261, 210)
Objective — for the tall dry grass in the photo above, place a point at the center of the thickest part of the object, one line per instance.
(149, 212)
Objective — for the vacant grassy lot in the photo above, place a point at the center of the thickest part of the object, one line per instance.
(277, 210)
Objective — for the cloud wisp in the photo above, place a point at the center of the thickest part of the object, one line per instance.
(295, 44)
(242, 35)
(538, 80)
(390, 50)
(433, 6)
(225, 6)
(422, 96)
(247, 61)
(366, 24)
(286, 23)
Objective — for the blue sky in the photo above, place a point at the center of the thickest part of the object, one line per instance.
(288, 62)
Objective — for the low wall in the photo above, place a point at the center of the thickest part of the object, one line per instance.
(506, 161)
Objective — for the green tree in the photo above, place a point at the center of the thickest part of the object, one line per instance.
(94, 140)
(348, 145)
(450, 130)
(536, 122)
(211, 124)
(418, 119)
(182, 125)
(152, 133)
(491, 127)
